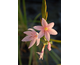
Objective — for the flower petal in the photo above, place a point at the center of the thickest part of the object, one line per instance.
(41, 56)
(47, 36)
(28, 32)
(27, 38)
(49, 46)
(38, 53)
(50, 25)
(32, 29)
(40, 34)
(44, 23)
(32, 43)
(38, 41)
(38, 27)
(53, 32)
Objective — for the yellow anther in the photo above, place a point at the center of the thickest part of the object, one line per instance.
(46, 28)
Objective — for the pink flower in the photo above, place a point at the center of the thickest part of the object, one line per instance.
(32, 36)
(41, 53)
(46, 29)
(49, 46)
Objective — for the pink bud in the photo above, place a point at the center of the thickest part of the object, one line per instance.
(49, 46)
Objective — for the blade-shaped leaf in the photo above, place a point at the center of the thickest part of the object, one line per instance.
(19, 56)
(58, 41)
(55, 55)
(44, 9)
(24, 10)
(30, 57)
(54, 58)
(53, 46)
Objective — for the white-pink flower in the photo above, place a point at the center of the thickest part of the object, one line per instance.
(32, 36)
(46, 29)
(41, 53)
(49, 46)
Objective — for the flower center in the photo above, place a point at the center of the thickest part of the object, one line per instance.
(36, 34)
(46, 28)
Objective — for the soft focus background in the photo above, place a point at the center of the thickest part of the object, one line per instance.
(29, 14)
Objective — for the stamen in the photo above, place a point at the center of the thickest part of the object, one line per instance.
(46, 28)
(36, 34)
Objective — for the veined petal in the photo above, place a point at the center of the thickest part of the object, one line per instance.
(50, 25)
(44, 23)
(40, 34)
(32, 43)
(38, 41)
(27, 38)
(53, 32)
(47, 36)
(38, 27)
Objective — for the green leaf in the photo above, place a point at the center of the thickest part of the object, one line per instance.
(37, 17)
(54, 58)
(44, 9)
(20, 16)
(53, 46)
(19, 51)
(24, 10)
(56, 55)
(30, 57)
(46, 15)
(58, 64)
(58, 41)
(35, 54)
(18, 3)
(46, 56)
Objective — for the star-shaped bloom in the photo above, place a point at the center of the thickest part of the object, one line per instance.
(41, 53)
(49, 46)
(46, 29)
(32, 36)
